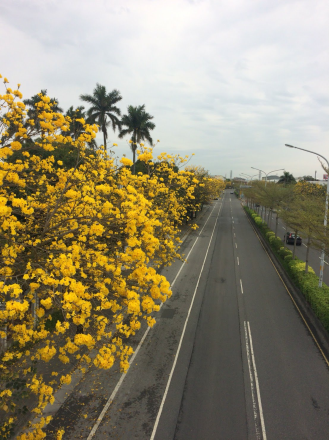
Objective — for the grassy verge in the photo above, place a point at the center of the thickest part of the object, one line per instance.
(317, 297)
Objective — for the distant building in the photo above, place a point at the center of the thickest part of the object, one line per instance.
(319, 182)
(218, 176)
(271, 178)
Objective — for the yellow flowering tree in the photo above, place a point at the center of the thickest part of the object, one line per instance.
(80, 248)
(208, 188)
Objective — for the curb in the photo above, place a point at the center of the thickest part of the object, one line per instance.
(312, 322)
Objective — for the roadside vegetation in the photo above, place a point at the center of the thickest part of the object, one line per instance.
(83, 235)
(302, 207)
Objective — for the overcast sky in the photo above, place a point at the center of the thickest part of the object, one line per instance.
(231, 81)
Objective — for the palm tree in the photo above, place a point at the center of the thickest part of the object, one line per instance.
(287, 178)
(138, 125)
(103, 110)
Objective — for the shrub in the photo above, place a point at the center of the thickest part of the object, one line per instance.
(275, 242)
(318, 297)
(288, 258)
(264, 228)
(284, 251)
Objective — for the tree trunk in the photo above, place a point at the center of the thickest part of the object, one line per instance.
(293, 255)
(104, 136)
(79, 330)
(134, 159)
(276, 225)
(307, 251)
(265, 215)
(268, 217)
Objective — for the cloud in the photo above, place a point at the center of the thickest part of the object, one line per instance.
(231, 81)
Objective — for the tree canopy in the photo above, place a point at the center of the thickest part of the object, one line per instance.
(138, 125)
(286, 179)
(103, 110)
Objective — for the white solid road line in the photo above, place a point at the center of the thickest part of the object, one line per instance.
(253, 373)
(324, 261)
(182, 336)
(252, 386)
(304, 244)
(257, 385)
(241, 286)
(118, 385)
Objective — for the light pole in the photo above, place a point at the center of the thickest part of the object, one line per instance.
(281, 169)
(325, 212)
(248, 175)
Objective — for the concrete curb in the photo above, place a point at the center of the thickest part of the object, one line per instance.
(319, 332)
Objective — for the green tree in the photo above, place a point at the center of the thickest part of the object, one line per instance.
(65, 153)
(286, 178)
(76, 127)
(33, 109)
(35, 99)
(291, 214)
(310, 212)
(272, 196)
(103, 110)
(138, 124)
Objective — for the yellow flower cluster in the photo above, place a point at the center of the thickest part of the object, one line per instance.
(85, 242)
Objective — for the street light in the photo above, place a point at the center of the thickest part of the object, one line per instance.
(248, 175)
(281, 169)
(325, 212)
(245, 175)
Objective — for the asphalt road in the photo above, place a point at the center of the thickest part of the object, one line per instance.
(229, 358)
